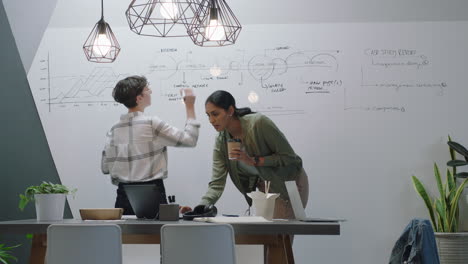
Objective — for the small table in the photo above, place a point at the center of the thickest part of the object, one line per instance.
(275, 235)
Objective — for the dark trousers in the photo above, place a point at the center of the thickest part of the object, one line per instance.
(122, 199)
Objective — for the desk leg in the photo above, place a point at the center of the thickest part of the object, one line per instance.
(288, 249)
(38, 249)
(279, 252)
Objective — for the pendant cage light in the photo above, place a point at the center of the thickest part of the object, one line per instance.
(161, 18)
(101, 46)
(214, 25)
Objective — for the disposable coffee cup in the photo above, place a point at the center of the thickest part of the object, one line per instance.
(233, 143)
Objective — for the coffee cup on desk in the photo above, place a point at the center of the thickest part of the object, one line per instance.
(232, 144)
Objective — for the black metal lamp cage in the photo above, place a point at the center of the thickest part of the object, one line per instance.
(214, 25)
(101, 46)
(161, 18)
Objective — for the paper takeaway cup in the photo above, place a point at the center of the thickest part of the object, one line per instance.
(264, 204)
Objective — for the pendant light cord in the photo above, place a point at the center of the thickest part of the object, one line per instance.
(102, 9)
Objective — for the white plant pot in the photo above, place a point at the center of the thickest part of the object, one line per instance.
(452, 247)
(50, 207)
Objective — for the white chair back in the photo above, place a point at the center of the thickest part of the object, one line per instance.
(198, 244)
(84, 243)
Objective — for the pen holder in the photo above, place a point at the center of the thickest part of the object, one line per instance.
(168, 212)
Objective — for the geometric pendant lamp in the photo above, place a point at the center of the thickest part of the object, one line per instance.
(161, 18)
(101, 46)
(214, 25)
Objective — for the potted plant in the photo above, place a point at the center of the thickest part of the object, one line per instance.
(49, 200)
(5, 254)
(456, 148)
(444, 214)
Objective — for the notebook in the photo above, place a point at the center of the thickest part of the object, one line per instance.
(296, 204)
(144, 199)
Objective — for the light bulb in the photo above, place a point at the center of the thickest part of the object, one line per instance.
(169, 10)
(215, 71)
(215, 31)
(101, 45)
(253, 97)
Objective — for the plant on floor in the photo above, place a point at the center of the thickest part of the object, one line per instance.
(6, 255)
(443, 210)
(43, 188)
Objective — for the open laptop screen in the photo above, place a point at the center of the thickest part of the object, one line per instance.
(295, 200)
(144, 199)
(297, 207)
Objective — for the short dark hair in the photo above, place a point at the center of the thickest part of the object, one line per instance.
(224, 100)
(126, 90)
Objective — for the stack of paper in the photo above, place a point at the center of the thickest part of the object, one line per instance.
(238, 219)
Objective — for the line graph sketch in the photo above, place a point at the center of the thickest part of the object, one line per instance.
(96, 87)
(64, 91)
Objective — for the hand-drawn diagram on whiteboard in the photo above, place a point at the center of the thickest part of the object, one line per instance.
(309, 70)
(279, 71)
(275, 71)
(384, 64)
(77, 90)
(389, 71)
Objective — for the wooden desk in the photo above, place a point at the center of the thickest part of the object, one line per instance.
(273, 235)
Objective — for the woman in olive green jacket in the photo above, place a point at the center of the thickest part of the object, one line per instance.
(265, 155)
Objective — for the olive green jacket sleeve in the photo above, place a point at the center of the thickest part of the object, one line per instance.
(219, 174)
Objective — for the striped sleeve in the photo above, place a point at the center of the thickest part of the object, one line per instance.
(168, 135)
(104, 163)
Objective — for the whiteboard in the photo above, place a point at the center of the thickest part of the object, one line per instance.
(366, 105)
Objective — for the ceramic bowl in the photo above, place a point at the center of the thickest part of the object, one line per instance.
(101, 213)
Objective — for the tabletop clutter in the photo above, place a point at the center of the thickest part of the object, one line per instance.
(264, 202)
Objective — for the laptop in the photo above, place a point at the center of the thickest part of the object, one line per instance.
(297, 207)
(144, 199)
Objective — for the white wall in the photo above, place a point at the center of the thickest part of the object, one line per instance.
(28, 21)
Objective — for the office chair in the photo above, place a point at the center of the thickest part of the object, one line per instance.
(84, 243)
(198, 244)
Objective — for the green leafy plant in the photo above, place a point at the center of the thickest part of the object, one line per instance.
(443, 210)
(5, 254)
(454, 162)
(44, 188)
